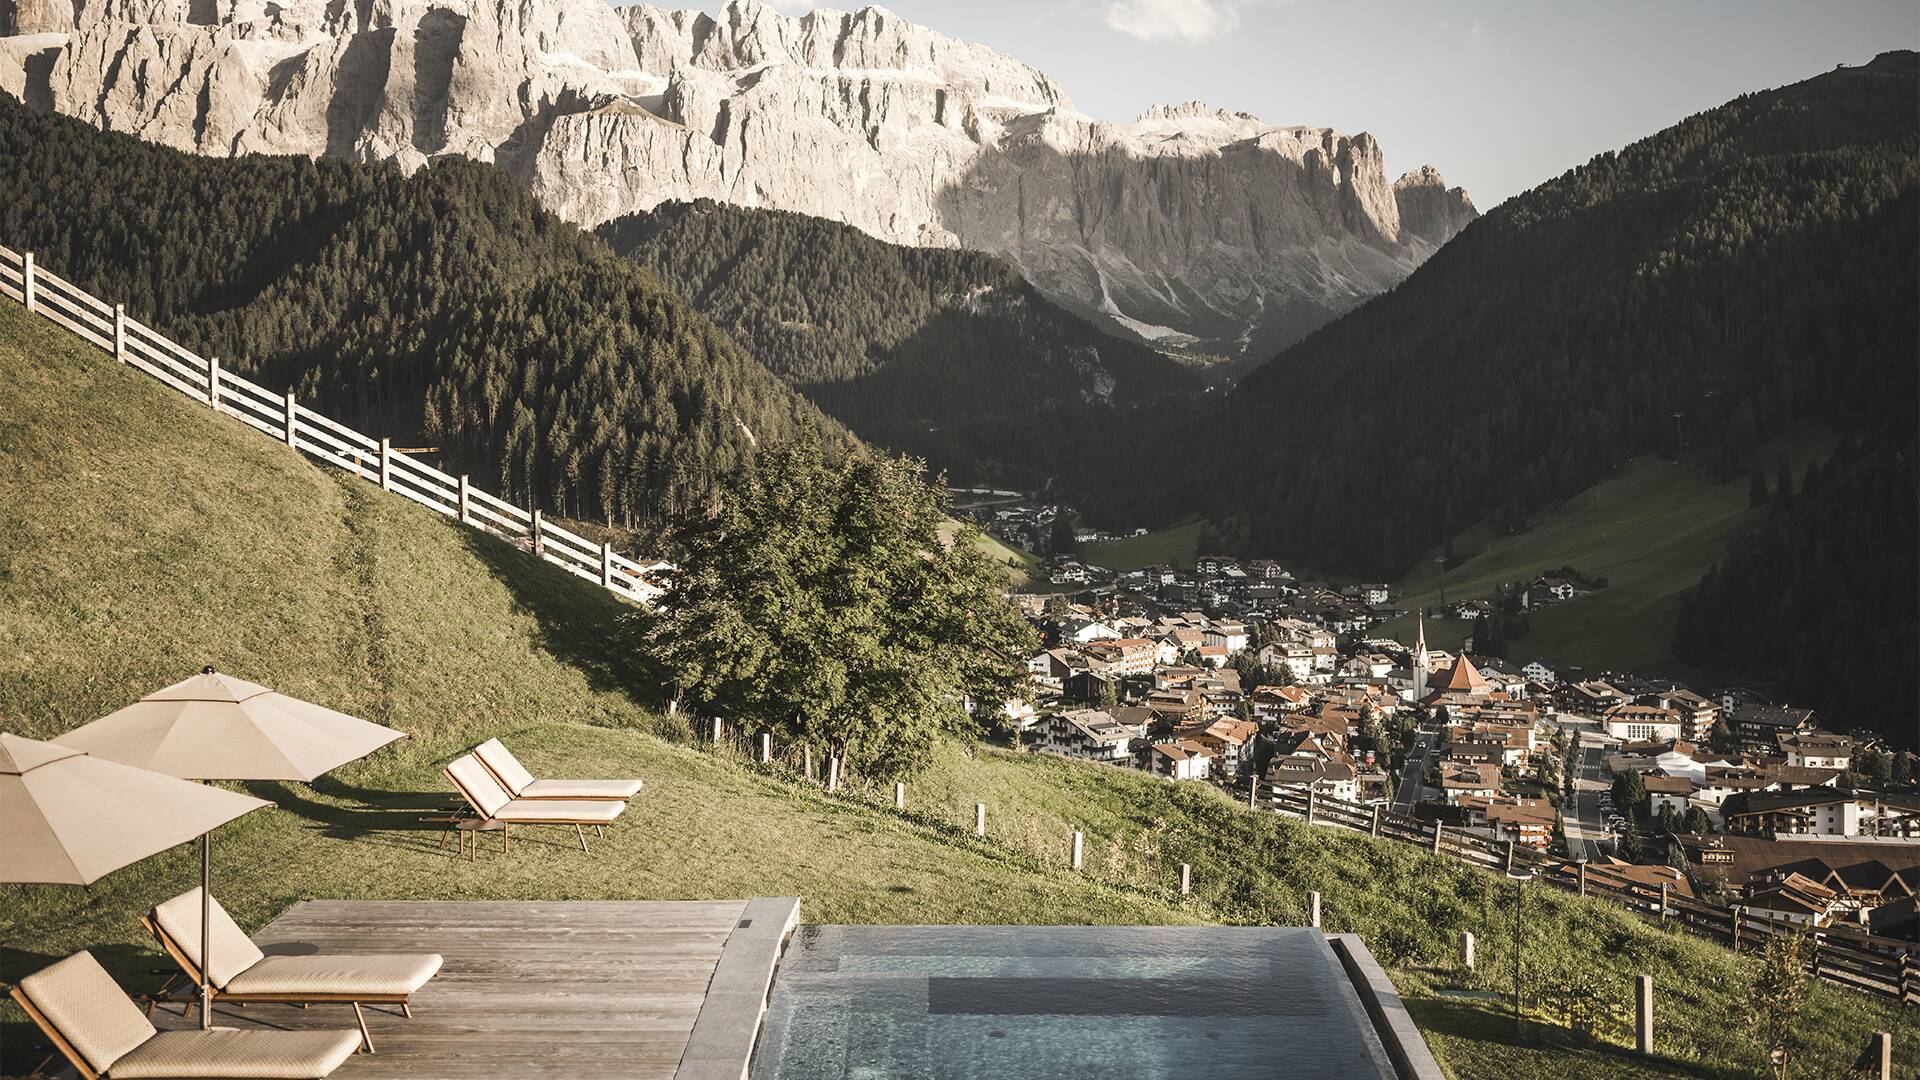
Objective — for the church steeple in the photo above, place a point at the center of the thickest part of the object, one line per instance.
(1420, 658)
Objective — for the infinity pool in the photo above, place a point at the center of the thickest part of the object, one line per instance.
(1047, 1002)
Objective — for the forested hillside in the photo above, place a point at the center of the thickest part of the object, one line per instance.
(444, 305)
(945, 354)
(1749, 268)
(1821, 600)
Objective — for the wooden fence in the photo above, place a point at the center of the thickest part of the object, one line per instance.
(281, 417)
(1850, 957)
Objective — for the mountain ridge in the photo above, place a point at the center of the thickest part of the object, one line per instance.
(1194, 229)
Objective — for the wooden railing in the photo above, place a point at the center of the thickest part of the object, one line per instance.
(1887, 967)
(281, 417)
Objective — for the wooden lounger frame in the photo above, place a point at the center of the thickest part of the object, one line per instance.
(60, 1042)
(506, 827)
(192, 973)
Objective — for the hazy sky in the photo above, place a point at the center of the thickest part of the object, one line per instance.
(1498, 95)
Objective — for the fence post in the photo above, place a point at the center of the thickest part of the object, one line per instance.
(899, 795)
(1186, 879)
(1313, 909)
(1437, 826)
(1643, 1015)
(1583, 877)
(213, 382)
(293, 416)
(1309, 806)
(1663, 901)
(1466, 950)
(766, 748)
(806, 760)
(539, 541)
(465, 517)
(1736, 929)
(1510, 859)
(1880, 1055)
(833, 772)
(386, 464)
(26, 274)
(120, 332)
(1376, 820)
(716, 731)
(979, 819)
(606, 565)
(1078, 844)
(1253, 793)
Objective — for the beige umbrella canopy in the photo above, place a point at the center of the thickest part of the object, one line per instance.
(216, 727)
(69, 818)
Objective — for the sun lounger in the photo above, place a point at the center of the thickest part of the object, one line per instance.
(240, 972)
(520, 783)
(493, 803)
(98, 1028)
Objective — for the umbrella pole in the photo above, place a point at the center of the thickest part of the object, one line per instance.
(206, 930)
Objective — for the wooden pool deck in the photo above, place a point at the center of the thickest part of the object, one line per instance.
(582, 990)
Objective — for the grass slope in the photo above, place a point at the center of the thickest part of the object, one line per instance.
(1176, 546)
(1651, 530)
(141, 536)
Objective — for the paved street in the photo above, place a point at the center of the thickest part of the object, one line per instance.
(1411, 777)
(1585, 827)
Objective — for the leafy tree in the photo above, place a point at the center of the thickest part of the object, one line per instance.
(1778, 995)
(1697, 821)
(1668, 822)
(1632, 847)
(1757, 487)
(1721, 739)
(444, 308)
(937, 352)
(1629, 791)
(818, 599)
(1060, 539)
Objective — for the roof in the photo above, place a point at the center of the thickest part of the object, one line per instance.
(1866, 865)
(1470, 777)
(1667, 785)
(1463, 676)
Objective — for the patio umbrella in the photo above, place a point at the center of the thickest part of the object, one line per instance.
(216, 727)
(70, 818)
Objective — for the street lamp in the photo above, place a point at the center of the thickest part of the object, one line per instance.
(1519, 877)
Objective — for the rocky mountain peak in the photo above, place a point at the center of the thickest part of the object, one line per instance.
(1196, 228)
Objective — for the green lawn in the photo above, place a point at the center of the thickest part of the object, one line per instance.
(141, 536)
(1176, 546)
(1023, 567)
(1651, 530)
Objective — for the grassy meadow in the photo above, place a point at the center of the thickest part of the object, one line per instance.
(142, 536)
(1176, 546)
(1651, 530)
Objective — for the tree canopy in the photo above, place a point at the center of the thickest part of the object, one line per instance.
(818, 600)
(945, 354)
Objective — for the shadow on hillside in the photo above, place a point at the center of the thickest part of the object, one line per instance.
(1477, 1022)
(581, 624)
(361, 812)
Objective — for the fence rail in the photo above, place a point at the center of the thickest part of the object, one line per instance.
(1883, 966)
(282, 417)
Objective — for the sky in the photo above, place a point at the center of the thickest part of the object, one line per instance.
(1498, 96)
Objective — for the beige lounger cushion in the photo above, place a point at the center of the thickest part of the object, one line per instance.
(521, 785)
(580, 789)
(88, 1009)
(233, 951)
(279, 1055)
(477, 785)
(372, 975)
(566, 811)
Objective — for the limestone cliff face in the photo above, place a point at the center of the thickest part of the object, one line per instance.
(1198, 229)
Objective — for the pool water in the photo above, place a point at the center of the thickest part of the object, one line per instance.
(938, 1002)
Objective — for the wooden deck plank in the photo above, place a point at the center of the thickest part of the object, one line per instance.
(529, 990)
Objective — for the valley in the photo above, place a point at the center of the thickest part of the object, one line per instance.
(957, 509)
